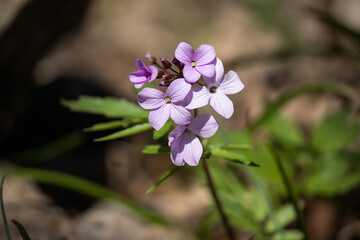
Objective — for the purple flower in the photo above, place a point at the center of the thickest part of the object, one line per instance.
(196, 63)
(166, 104)
(143, 75)
(216, 90)
(185, 146)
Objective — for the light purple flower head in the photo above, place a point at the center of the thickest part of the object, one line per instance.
(166, 104)
(143, 75)
(196, 63)
(217, 87)
(185, 145)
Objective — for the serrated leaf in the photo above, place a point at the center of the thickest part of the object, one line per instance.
(154, 149)
(241, 158)
(158, 134)
(335, 132)
(113, 124)
(109, 107)
(126, 132)
(165, 176)
(21, 229)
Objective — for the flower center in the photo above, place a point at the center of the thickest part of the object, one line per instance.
(167, 99)
(212, 89)
(193, 64)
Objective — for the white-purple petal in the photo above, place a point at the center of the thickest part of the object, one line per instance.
(192, 149)
(204, 54)
(180, 114)
(176, 150)
(175, 134)
(207, 70)
(190, 74)
(178, 90)
(140, 65)
(222, 104)
(154, 73)
(204, 125)
(138, 76)
(184, 53)
(158, 117)
(198, 97)
(151, 98)
(218, 76)
(231, 83)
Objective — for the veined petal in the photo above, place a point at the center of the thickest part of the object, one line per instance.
(140, 65)
(178, 90)
(190, 74)
(222, 104)
(154, 73)
(198, 97)
(207, 70)
(138, 76)
(158, 117)
(204, 54)
(231, 83)
(175, 134)
(218, 76)
(204, 125)
(180, 114)
(184, 53)
(176, 150)
(151, 98)
(192, 149)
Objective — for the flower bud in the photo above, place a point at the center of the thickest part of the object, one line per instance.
(150, 58)
(176, 62)
(165, 83)
(168, 76)
(165, 63)
(160, 74)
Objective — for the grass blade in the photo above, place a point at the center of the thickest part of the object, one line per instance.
(3, 209)
(162, 179)
(21, 229)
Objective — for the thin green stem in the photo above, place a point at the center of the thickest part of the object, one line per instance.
(224, 219)
(291, 193)
(3, 209)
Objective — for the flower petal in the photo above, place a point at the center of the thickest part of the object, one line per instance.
(190, 74)
(204, 54)
(184, 53)
(204, 125)
(231, 83)
(180, 114)
(158, 117)
(218, 76)
(175, 134)
(198, 97)
(140, 65)
(207, 70)
(192, 149)
(138, 76)
(178, 90)
(222, 104)
(176, 152)
(151, 98)
(154, 73)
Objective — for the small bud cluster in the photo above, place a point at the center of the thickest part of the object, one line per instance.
(184, 93)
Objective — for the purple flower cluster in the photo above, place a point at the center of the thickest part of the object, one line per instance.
(184, 93)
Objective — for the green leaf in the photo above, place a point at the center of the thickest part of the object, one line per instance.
(86, 187)
(3, 208)
(21, 229)
(241, 147)
(282, 217)
(284, 130)
(162, 131)
(114, 124)
(109, 107)
(126, 132)
(154, 149)
(288, 235)
(335, 132)
(236, 156)
(163, 178)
